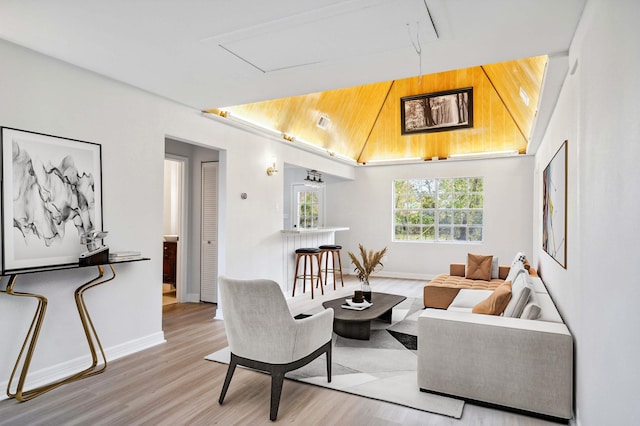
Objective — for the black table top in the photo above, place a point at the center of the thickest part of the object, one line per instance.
(382, 302)
(65, 266)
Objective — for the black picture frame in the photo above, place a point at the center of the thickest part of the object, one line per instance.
(437, 112)
(51, 194)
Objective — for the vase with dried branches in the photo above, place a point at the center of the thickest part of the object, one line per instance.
(369, 262)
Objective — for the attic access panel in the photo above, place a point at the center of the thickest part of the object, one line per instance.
(332, 33)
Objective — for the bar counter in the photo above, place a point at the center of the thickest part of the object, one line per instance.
(293, 239)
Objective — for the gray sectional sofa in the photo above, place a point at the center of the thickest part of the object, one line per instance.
(508, 360)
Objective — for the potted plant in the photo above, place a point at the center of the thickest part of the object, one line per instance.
(367, 264)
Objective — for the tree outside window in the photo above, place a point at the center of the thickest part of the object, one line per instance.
(439, 209)
(308, 209)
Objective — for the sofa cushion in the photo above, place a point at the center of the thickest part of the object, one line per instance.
(548, 311)
(495, 268)
(538, 285)
(468, 298)
(457, 269)
(532, 310)
(520, 257)
(516, 269)
(496, 302)
(443, 288)
(520, 291)
(503, 271)
(478, 267)
(458, 309)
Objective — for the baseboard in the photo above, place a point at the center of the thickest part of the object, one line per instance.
(134, 346)
(192, 298)
(65, 369)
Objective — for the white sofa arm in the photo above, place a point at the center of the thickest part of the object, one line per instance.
(523, 364)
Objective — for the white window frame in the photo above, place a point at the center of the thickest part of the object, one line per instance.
(442, 215)
(296, 189)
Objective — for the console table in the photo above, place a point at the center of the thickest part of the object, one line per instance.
(21, 367)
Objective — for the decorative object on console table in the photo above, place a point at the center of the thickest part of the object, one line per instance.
(368, 263)
(124, 256)
(69, 172)
(97, 253)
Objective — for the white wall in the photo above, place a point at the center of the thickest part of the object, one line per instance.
(365, 206)
(51, 97)
(48, 96)
(597, 294)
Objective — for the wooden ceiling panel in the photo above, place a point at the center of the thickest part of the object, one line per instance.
(351, 113)
(509, 78)
(365, 125)
(493, 129)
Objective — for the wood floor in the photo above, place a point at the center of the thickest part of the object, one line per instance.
(171, 384)
(168, 294)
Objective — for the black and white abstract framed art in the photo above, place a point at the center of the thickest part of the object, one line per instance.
(51, 194)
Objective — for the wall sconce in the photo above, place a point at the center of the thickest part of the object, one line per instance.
(271, 168)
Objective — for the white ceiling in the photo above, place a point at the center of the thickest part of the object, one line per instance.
(214, 53)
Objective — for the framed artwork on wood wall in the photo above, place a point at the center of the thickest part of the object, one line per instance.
(437, 112)
(51, 194)
(554, 207)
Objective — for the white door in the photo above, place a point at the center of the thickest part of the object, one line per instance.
(209, 250)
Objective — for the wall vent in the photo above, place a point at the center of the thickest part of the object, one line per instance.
(323, 122)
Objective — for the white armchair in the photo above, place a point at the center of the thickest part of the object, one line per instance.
(264, 336)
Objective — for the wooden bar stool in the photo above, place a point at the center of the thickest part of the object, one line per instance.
(334, 251)
(308, 254)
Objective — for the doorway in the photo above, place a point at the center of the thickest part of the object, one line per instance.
(188, 195)
(174, 229)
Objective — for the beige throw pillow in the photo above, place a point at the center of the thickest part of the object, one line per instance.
(478, 267)
(495, 304)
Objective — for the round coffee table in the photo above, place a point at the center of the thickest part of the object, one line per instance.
(357, 324)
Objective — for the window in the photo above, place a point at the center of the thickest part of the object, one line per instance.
(308, 205)
(438, 209)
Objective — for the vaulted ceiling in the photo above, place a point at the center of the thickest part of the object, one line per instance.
(363, 123)
(208, 54)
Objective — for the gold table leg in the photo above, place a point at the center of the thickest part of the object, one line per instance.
(31, 339)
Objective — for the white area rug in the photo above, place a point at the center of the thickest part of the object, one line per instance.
(381, 368)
